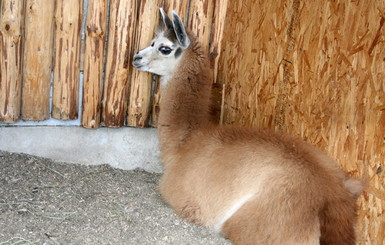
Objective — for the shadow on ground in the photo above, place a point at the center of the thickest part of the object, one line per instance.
(44, 202)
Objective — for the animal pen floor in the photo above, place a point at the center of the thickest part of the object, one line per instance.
(44, 202)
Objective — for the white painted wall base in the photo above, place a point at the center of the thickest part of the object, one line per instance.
(125, 148)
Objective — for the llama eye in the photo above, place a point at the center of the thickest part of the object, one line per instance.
(165, 50)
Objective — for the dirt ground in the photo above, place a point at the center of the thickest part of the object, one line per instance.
(44, 202)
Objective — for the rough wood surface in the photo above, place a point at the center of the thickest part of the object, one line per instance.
(93, 67)
(11, 25)
(38, 47)
(314, 69)
(179, 6)
(215, 50)
(217, 29)
(123, 16)
(68, 18)
(141, 82)
(200, 20)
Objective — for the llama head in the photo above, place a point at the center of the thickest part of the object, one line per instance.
(165, 51)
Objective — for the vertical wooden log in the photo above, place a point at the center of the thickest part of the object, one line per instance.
(217, 29)
(200, 20)
(155, 102)
(179, 6)
(140, 94)
(123, 16)
(37, 59)
(215, 50)
(93, 67)
(68, 18)
(11, 24)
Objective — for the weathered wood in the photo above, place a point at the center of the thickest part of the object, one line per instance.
(93, 64)
(68, 18)
(140, 94)
(11, 25)
(215, 50)
(314, 69)
(179, 6)
(38, 49)
(217, 29)
(123, 17)
(200, 20)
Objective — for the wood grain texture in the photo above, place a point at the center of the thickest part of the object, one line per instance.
(200, 20)
(93, 63)
(139, 108)
(68, 18)
(179, 6)
(11, 43)
(38, 49)
(316, 70)
(253, 46)
(123, 21)
(217, 29)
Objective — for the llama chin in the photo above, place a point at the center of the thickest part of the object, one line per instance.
(254, 186)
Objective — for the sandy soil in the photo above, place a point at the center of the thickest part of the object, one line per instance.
(43, 202)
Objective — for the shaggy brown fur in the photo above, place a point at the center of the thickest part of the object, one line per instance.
(284, 190)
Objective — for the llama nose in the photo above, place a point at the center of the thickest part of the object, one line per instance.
(137, 57)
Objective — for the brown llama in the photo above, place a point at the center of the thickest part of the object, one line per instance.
(254, 186)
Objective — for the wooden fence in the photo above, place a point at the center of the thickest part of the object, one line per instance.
(312, 68)
(114, 94)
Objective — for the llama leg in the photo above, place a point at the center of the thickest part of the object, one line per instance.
(179, 200)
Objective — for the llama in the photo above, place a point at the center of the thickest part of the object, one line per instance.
(254, 186)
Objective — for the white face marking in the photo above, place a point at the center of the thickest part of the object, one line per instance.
(158, 58)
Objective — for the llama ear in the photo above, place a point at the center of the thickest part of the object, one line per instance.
(166, 20)
(180, 31)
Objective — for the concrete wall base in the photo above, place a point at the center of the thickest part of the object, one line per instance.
(125, 148)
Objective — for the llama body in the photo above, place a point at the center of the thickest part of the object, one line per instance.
(254, 186)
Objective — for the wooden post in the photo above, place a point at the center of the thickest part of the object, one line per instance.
(140, 95)
(179, 6)
(93, 68)
(11, 25)
(200, 20)
(217, 29)
(37, 59)
(123, 16)
(68, 18)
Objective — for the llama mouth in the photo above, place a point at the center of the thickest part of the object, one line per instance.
(137, 66)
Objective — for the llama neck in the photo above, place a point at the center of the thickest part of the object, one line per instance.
(185, 98)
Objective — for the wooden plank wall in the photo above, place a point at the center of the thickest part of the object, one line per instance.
(113, 93)
(314, 69)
